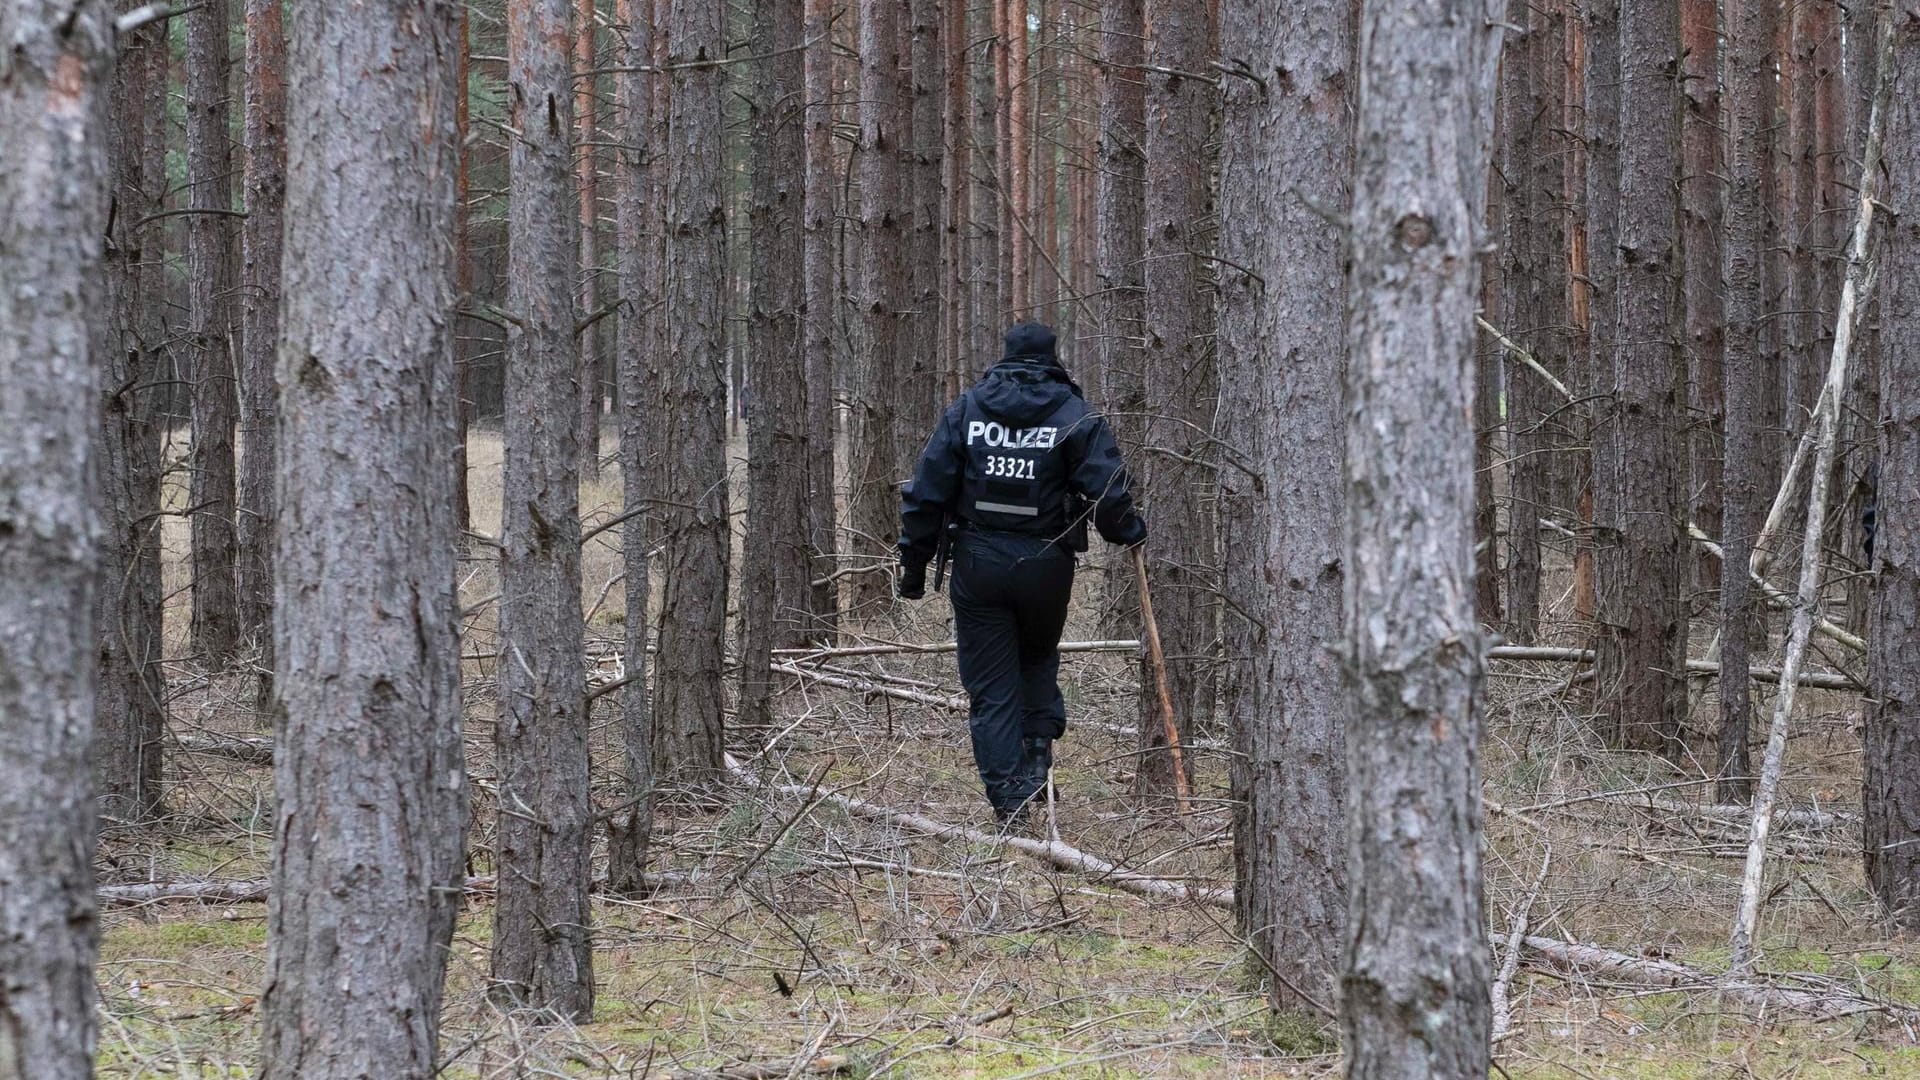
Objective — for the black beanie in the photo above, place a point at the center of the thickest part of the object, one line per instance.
(1030, 339)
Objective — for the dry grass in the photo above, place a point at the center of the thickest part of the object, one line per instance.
(911, 957)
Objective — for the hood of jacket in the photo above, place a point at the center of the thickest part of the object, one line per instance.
(1024, 390)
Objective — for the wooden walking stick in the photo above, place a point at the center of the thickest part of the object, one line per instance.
(1157, 662)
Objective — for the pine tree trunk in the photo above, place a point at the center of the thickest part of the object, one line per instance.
(1414, 986)
(463, 272)
(630, 829)
(956, 176)
(921, 386)
(821, 297)
(693, 625)
(542, 955)
(586, 165)
(54, 200)
(1641, 648)
(1121, 259)
(1891, 796)
(1282, 371)
(1519, 271)
(1488, 426)
(1180, 379)
(1750, 90)
(774, 588)
(369, 766)
(1703, 289)
(1019, 151)
(212, 279)
(877, 467)
(987, 210)
(130, 705)
(1547, 177)
(266, 191)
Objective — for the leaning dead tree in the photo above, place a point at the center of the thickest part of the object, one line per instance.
(53, 203)
(369, 778)
(1414, 985)
(1857, 287)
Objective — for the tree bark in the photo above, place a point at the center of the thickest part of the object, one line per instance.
(54, 198)
(542, 955)
(1120, 256)
(1414, 986)
(1891, 796)
(1526, 467)
(586, 165)
(130, 704)
(629, 830)
(1180, 378)
(212, 280)
(1703, 288)
(1750, 103)
(775, 588)
(877, 438)
(1640, 691)
(266, 191)
(1019, 153)
(921, 387)
(693, 624)
(1285, 165)
(369, 773)
(822, 309)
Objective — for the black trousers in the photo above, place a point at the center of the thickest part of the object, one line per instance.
(1010, 597)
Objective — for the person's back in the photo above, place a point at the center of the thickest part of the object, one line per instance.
(1013, 473)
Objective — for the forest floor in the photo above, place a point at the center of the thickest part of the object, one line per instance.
(850, 943)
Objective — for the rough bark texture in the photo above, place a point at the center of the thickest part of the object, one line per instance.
(1600, 165)
(1414, 988)
(986, 208)
(774, 589)
(1750, 89)
(1703, 288)
(369, 770)
(586, 165)
(878, 466)
(956, 174)
(630, 829)
(130, 708)
(1641, 647)
(266, 190)
(54, 194)
(1282, 371)
(693, 624)
(1892, 744)
(921, 388)
(1180, 380)
(542, 955)
(1519, 250)
(211, 281)
(821, 298)
(1019, 149)
(1488, 426)
(1120, 257)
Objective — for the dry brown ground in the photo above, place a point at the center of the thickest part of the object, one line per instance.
(910, 957)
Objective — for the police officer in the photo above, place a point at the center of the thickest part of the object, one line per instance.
(1011, 475)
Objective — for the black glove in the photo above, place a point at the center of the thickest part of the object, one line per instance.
(913, 581)
(1135, 532)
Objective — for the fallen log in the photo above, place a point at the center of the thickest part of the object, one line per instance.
(896, 648)
(255, 890)
(901, 693)
(1812, 820)
(1584, 962)
(251, 751)
(1057, 852)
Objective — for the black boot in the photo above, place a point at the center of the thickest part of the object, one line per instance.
(1039, 760)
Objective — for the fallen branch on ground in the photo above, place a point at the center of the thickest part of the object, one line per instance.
(255, 890)
(251, 751)
(1059, 853)
(1587, 961)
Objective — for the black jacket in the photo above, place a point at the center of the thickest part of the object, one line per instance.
(1021, 452)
